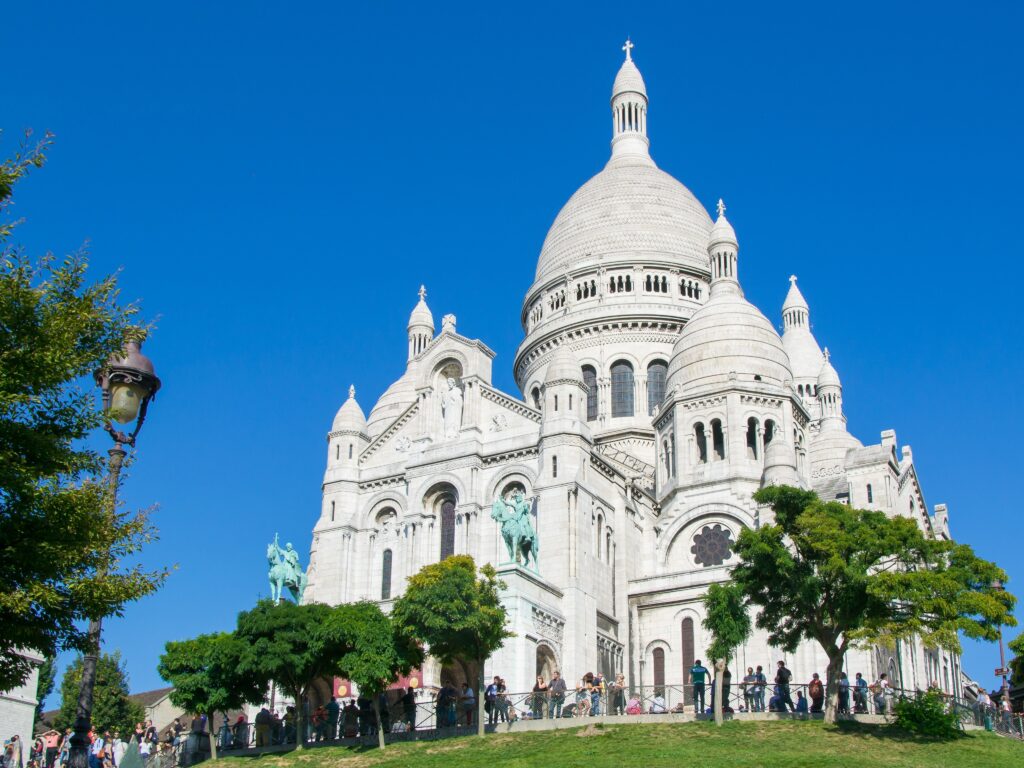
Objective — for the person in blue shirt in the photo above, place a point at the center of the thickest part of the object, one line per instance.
(698, 678)
(860, 694)
(801, 703)
(844, 694)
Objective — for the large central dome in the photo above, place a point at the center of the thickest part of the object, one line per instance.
(629, 209)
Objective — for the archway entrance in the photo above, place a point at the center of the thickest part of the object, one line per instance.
(546, 663)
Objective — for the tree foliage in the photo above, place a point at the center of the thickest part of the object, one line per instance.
(291, 645)
(378, 653)
(44, 685)
(825, 572)
(111, 708)
(455, 613)
(62, 544)
(1017, 662)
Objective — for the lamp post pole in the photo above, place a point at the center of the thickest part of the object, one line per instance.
(129, 384)
(997, 584)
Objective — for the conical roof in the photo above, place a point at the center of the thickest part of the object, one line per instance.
(794, 299)
(629, 80)
(421, 315)
(350, 417)
(827, 377)
(563, 366)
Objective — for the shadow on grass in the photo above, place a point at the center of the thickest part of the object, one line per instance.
(890, 732)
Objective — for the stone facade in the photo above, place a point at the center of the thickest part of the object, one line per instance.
(18, 707)
(656, 400)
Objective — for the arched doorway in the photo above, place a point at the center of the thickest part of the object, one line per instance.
(546, 662)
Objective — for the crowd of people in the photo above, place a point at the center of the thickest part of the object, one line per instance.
(107, 749)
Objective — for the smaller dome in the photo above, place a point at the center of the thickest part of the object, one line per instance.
(728, 337)
(399, 396)
(794, 299)
(350, 417)
(828, 376)
(563, 366)
(722, 231)
(629, 80)
(421, 315)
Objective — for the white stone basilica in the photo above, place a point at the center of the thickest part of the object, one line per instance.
(657, 399)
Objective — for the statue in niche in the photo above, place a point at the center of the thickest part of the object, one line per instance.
(516, 527)
(451, 408)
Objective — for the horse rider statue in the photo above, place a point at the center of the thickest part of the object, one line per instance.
(285, 571)
(517, 528)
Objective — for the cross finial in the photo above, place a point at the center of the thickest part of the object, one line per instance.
(423, 292)
(792, 279)
(721, 207)
(828, 356)
(351, 391)
(628, 48)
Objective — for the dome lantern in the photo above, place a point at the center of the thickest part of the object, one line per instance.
(723, 250)
(421, 325)
(629, 109)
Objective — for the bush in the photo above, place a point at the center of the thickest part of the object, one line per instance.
(927, 715)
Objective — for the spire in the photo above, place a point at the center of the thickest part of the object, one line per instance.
(723, 250)
(830, 396)
(421, 325)
(629, 109)
(351, 391)
(795, 311)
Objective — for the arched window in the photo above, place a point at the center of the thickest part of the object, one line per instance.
(447, 528)
(657, 372)
(337, 451)
(688, 653)
(702, 443)
(672, 452)
(718, 439)
(590, 382)
(554, 466)
(350, 450)
(599, 533)
(332, 510)
(385, 576)
(622, 389)
(751, 438)
(871, 496)
(535, 396)
(769, 432)
(659, 668)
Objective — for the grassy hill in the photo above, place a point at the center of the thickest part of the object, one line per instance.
(685, 745)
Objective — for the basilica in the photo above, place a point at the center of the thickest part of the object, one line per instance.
(654, 401)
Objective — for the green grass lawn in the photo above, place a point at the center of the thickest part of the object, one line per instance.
(684, 745)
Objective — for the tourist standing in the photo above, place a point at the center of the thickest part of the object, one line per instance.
(782, 679)
(750, 690)
(698, 679)
(117, 749)
(540, 698)
(263, 721)
(333, 711)
(762, 686)
(816, 691)
(409, 707)
(881, 691)
(617, 695)
(596, 692)
(557, 689)
(351, 719)
(844, 694)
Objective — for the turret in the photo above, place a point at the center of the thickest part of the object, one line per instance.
(565, 394)
(780, 463)
(629, 109)
(830, 396)
(723, 250)
(347, 438)
(421, 326)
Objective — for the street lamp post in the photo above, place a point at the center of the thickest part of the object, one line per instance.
(129, 384)
(997, 584)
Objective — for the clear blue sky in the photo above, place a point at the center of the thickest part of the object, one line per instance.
(253, 167)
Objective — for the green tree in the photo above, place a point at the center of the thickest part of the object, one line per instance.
(729, 624)
(111, 708)
(456, 614)
(378, 653)
(207, 676)
(293, 646)
(841, 576)
(62, 545)
(45, 683)
(1017, 662)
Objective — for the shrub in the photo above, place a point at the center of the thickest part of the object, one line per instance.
(927, 715)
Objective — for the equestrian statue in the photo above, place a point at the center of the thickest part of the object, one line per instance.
(516, 527)
(285, 571)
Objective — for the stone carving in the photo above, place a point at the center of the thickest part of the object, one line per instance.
(451, 408)
(448, 324)
(402, 443)
(499, 422)
(285, 571)
(516, 527)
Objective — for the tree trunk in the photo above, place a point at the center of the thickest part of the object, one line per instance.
(835, 666)
(213, 737)
(480, 700)
(300, 722)
(380, 722)
(719, 682)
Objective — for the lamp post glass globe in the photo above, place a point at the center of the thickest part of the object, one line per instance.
(125, 401)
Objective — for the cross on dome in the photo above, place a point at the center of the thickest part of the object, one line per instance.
(628, 48)
(351, 391)
(792, 279)
(828, 357)
(721, 207)
(423, 292)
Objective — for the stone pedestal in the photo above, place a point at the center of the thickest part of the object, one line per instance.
(535, 615)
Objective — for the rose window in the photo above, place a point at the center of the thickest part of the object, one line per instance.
(712, 546)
